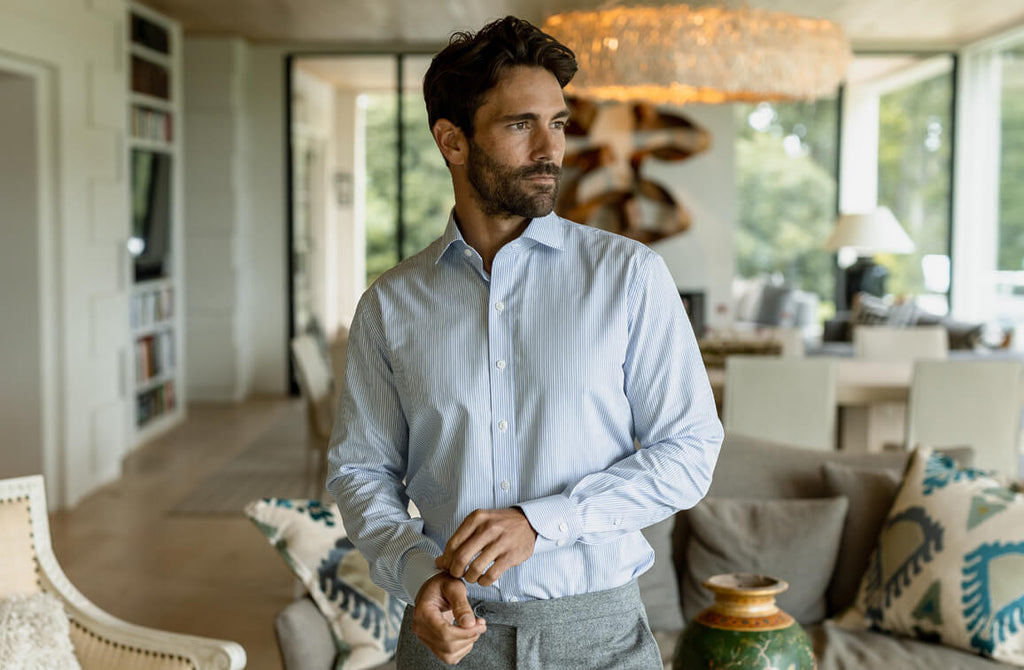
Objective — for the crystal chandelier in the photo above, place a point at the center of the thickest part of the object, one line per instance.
(680, 54)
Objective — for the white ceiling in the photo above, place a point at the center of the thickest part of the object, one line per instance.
(871, 24)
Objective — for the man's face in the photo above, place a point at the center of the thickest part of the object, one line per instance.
(515, 154)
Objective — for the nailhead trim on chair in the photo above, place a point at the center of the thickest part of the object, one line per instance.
(135, 650)
(31, 534)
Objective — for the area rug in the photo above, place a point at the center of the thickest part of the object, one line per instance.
(273, 466)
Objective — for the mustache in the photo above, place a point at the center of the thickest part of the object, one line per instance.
(542, 170)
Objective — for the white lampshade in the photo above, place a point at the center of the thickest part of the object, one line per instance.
(872, 232)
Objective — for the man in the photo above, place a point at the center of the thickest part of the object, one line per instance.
(498, 380)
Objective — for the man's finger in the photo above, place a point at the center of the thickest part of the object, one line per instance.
(501, 564)
(466, 530)
(479, 565)
(455, 594)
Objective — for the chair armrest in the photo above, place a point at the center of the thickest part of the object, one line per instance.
(103, 642)
(304, 637)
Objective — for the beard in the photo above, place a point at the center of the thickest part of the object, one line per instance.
(503, 190)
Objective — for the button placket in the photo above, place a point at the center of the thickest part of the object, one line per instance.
(499, 327)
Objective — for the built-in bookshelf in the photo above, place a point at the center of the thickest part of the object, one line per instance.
(154, 200)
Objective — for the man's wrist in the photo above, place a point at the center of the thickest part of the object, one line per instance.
(419, 567)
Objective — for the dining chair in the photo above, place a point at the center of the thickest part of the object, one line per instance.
(968, 403)
(316, 383)
(887, 343)
(781, 399)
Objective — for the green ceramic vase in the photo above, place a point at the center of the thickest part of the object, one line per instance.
(744, 629)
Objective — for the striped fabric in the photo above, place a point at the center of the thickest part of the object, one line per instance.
(523, 387)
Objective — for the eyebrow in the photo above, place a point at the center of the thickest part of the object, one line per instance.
(531, 116)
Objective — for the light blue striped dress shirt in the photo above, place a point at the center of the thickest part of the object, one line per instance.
(523, 387)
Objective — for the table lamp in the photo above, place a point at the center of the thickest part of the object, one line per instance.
(867, 233)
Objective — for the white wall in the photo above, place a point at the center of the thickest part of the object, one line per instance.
(81, 43)
(265, 274)
(350, 156)
(217, 221)
(702, 258)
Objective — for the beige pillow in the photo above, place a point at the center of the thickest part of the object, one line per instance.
(793, 540)
(949, 566)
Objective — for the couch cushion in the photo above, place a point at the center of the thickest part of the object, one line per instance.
(658, 588)
(870, 492)
(310, 537)
(793, 540)
(840, 649)
(751, 468)
(949, 566)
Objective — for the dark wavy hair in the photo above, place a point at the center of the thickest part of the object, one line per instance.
(461, 75)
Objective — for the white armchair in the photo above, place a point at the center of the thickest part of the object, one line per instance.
(101, 642)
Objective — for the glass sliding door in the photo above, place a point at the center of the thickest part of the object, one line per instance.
(427, 195)
(898, 152)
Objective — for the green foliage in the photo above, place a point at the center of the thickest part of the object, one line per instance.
(786, 200)
(427, 189)
(914, 174)
(1011, 182)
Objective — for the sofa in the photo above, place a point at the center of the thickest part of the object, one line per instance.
(845, 494)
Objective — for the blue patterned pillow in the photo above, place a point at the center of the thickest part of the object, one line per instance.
(310, 537)
(949, 566)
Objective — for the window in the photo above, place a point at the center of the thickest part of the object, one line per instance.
(897, 153)
(786, 193)
(1009, 304)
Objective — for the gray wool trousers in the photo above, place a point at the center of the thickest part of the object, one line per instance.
(607, 630)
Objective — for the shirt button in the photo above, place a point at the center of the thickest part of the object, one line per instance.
(513, 599)
(503, 425)
(468, 252)
(560, 543)
(505, 486)
(563, 527)
(616, 522)
(500, 365)
(500, 306)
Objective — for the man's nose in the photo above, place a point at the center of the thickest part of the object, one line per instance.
(548, 145)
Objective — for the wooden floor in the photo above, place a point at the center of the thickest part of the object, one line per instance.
(214, 576)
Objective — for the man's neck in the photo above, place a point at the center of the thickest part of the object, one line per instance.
(487, 234)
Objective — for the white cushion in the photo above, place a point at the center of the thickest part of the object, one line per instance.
(35, 634)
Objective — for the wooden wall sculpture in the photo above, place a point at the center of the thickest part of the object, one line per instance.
(642, 209)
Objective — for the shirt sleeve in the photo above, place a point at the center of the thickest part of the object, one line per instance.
(675, 423)
(367, 463)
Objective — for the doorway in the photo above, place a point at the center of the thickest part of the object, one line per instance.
(28, 398)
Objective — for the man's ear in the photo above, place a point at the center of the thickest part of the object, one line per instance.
(451, 141)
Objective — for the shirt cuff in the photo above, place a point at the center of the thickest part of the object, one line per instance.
(555, 520)
(419, 567)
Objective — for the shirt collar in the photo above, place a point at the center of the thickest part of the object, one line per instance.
(545, 230)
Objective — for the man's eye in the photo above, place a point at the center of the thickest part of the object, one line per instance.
(522, 125)
(559, 125)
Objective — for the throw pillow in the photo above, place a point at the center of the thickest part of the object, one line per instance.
(775, 306)
(949, 567)
(364, 618)
(869, 310)
(870, 492)
(793, 540)
(35, 634)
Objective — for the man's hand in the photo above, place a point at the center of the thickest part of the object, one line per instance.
(443, 619)
(503, 537)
